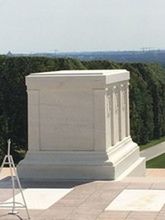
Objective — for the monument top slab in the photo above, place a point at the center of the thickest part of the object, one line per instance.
(76, 78)
(79, 73)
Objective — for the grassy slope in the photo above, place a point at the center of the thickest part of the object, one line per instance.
(158, 162)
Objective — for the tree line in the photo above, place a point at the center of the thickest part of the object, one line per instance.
(147, 97)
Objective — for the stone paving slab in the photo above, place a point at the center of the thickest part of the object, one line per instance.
(88, 200)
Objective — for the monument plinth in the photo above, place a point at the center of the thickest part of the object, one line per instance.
(78, 126)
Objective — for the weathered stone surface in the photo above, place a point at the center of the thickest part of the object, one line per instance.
(78, 126)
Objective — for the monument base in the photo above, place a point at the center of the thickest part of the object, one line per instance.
(119, 161)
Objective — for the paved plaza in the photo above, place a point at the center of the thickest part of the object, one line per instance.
(102, 200)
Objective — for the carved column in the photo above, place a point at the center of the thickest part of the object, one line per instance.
(123, 110)
(109, 117)
(33, 120)
(115, 114)
(127, 110)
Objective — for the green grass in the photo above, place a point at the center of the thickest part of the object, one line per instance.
(152, 143)
(157, 162)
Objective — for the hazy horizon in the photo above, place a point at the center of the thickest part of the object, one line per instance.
(87, 51)
(80, 25)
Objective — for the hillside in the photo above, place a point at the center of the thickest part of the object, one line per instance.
(147, 96)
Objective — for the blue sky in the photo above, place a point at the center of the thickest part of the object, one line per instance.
(81, 25)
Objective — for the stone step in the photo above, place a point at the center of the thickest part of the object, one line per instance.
(151, 176)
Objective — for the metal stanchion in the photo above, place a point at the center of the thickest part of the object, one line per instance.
(8, 160)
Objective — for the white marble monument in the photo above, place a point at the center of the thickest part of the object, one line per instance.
(78, 126)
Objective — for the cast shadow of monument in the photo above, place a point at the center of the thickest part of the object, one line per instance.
(6, 183)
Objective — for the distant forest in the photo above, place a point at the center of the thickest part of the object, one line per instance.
(142, 56)
(147, 96)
